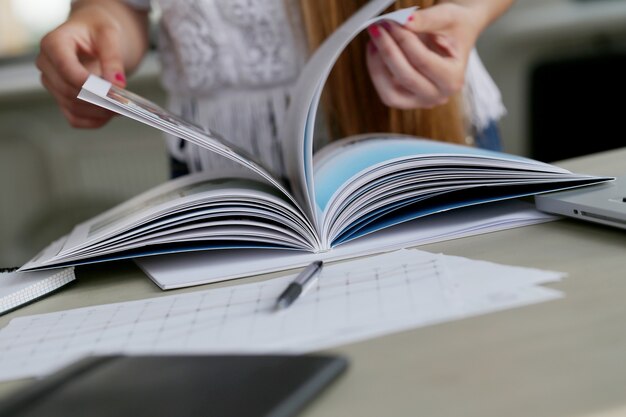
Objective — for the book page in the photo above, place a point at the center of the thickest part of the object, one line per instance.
(104, 94)
(369, 182)
(340, 162)
(194, 208)
(181, 270)
(297, 132)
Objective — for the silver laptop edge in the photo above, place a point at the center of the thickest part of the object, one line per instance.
(601, 203)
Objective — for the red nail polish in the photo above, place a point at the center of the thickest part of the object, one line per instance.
(386, 25)
(120, 77)
(374, 31)
(410, 19)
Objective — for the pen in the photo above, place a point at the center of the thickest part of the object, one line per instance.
(294, 289)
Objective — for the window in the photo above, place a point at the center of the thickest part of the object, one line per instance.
(24, 22)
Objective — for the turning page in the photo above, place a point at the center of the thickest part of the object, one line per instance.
(298, 130)
(104, 94)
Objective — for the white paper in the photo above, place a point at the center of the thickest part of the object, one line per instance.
(179, 270)
(350, 301)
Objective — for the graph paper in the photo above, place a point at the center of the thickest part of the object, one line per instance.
(349, 301)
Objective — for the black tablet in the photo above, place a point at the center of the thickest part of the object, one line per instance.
(181, 386)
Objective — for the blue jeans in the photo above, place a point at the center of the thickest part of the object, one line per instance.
(178, 168)
(489, 138)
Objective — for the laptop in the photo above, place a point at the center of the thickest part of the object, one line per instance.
(601, 203)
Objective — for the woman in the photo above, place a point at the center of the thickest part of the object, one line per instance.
(230, 65)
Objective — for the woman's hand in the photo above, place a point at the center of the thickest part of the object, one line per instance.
(92, 40)
(422, 63)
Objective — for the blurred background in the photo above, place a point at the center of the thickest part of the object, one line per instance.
(51, 175)
(560, 65)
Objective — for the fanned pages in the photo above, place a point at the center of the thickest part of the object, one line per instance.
(347, 191)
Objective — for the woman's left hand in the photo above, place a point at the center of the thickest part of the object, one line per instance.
(422, 63)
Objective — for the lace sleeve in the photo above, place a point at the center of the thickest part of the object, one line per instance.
(483, 102)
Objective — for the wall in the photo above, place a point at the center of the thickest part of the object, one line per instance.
(53, 176)
(533, 31)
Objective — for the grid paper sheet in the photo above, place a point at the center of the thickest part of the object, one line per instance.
(349, 301)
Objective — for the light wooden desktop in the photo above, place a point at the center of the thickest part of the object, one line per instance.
(560, 358)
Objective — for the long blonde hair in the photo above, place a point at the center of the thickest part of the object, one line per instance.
(351, 101)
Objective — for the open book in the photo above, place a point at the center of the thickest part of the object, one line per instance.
(350, 189)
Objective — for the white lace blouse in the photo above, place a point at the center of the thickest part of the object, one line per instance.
(230, 65)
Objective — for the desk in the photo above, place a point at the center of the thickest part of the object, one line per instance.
(560, 358)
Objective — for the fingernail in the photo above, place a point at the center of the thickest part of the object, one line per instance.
(386, 25)
(374, 31)
(120, 77)
(410, 19)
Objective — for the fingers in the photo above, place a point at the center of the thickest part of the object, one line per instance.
(67, 56)
(61, 50)
(391, 94)
(431, 19)
(453, 28)
(108, 49)
(56, 83)
(425, 92)
(450, 16)
(444, 71)
(82, 122)
(79, 114)
(428, 55)
(84, 110)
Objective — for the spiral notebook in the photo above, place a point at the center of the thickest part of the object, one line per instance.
(20, 288)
